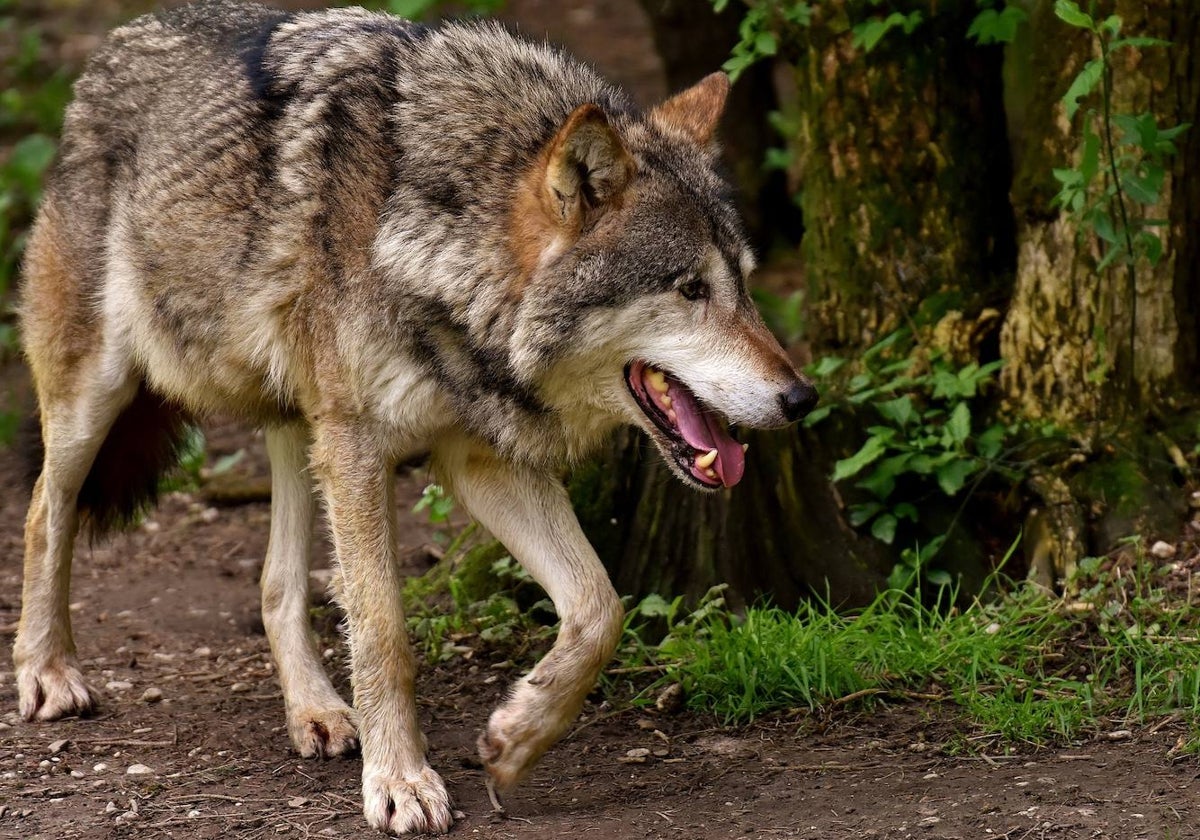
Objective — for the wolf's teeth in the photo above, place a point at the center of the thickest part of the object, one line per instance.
(657, 381)
(672, 416)
(665, 400)
(706, 460)
(745, 447)
(711, 473)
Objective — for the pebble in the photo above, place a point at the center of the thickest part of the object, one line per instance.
(209, 514)
(297, 802)
(76, 774)
(202, 651)
(99, 768)
(637, 755)
(1162, 550)
(239, 687)
(119, 685)
(58, 746)
(152, 695)
(192, 814)
(111, 808)
(138, 770)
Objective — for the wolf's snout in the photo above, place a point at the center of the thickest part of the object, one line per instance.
(798, 400)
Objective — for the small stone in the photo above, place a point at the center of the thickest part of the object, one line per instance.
(239, 687)
(297, 802)
(992, 629)
(202, 651)
(192, 814)
(45, 764)
(111, 808)
(119, 685)
(670, 699)
(1118, 735)
(1162, 550)
(928, 776)
(138, 770)
(209, 515)
(152, 695)
(635, 756)
(99, 768)
(58, 746)
(76, 774)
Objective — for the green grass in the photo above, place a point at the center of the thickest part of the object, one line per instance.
(1027, 668)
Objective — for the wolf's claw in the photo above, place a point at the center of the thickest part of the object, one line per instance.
(497, 805)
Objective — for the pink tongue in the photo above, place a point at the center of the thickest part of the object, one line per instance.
(704, 432)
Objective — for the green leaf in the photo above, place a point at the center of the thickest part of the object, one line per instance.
(654, 606)
(867, 454)
(1144, 187)
(906, 510)
(1083, 85)
(990, 442)
(992, 27)
(1089, 162)
(899, 411)
(884, 528)
(862, 513)
(765, 43)
(959, 423)
(1069, 12)
(825, 367)
(939, 577)
(952, 475)
(1150, 246)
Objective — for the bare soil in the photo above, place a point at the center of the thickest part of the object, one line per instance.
(173, 606)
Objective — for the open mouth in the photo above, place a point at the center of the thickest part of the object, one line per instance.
(697, 438)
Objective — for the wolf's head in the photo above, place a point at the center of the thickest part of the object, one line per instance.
(633, 287)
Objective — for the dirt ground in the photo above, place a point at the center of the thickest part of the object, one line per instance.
(172, 609)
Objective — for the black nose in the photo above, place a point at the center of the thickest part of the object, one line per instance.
(798, 400)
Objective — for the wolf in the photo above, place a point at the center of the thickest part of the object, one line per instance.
(377, 239)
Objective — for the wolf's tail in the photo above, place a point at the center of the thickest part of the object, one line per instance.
(147, 439)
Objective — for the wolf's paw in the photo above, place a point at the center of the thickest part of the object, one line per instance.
(413, 803)
(513, 743)
(53, 690)
(323, 733)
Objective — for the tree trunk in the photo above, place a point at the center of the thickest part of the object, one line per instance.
(1073, 354)
(903, 169)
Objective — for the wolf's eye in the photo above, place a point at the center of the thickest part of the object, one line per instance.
(694, 289)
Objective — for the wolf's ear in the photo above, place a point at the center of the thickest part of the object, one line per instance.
(695, 112)
(588, 166)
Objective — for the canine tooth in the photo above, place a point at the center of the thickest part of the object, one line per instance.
(665, 400)
(711, 473)
(745, 447)
(706, 460)
(657, 381)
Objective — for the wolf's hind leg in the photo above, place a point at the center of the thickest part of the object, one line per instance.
(75, 423)
(319, 722)
(530, 513)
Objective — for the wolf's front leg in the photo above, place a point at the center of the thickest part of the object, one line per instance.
(530, 513)
(400, 792)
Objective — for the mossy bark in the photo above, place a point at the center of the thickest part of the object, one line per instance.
(1074, 354)
(902, 167)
